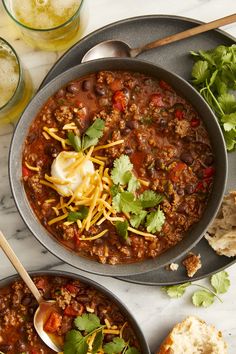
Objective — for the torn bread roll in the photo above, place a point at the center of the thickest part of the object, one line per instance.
(194, 336)
(221, 234)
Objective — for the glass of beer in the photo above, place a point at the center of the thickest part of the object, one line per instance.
(15, 84)
(48, 24)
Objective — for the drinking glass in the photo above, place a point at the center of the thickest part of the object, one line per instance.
(15, 84)
(48, 24)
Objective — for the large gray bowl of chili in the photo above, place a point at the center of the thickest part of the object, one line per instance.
(77, 299)
(118, 166)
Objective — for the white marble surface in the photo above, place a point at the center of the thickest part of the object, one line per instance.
(154, 311)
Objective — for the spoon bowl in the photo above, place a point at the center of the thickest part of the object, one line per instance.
(45, 307)
(117, 48)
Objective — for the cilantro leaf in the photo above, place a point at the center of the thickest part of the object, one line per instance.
(230, 139)
(150, 199)
(220, 282)
(97, 343)
(229, 121)
(87, 322)
(114, 347)
(75, 343)
(122, 229)
(203, 298)
(74, 140)
(200, 72)
(122, 165)
(176, 291)
(133, 184)
(126, 203)
(81, 214)
(155, 221)
(227, 102)
(132, 350)
(115, 189)
(93, 134)
(137, 220)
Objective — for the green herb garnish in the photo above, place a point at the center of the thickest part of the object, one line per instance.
(205, 297)
(214, 76)
(81, 214)
(155, 220)
(122, 229)
(127, 203)
(120, 172)
(89, 138)
(76, 340)
(150, 199)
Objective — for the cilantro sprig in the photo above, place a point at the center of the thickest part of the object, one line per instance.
(89, 138)
(214, 76)
(126, 200)
(205, 297)
(76, 341)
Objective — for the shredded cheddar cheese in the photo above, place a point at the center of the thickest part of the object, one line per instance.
(32, 168)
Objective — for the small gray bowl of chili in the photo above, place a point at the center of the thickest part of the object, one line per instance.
(83, 306)
(152, 142)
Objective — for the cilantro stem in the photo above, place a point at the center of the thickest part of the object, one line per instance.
(214, 99)
(95, 330)
(211, 291)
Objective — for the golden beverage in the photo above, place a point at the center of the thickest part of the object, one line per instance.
(15, 85)
(9, 74)
(48, 24)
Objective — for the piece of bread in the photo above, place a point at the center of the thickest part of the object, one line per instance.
(193, 336)
(221, 234)
(192, 263)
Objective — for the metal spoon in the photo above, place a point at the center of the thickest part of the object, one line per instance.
(45, 307)
(117, 48)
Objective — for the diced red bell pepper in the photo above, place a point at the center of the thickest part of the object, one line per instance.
(53, 322)
(25, 171)
(119, 101)
(156, 100)
(179, 114)
(176, 171)
(164, 85)
(195, 122)
(208, 172)
(71, 288)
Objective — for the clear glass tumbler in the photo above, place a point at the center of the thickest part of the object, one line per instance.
(48, 24)
(15, 84)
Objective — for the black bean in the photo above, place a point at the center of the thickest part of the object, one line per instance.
(151, 172)
(189, 189)
(132, 124)
(73, 88)
(86, 85)
(162, 123)
(186, 157)
(180, 191)
(26, 300)
(99, 90)
(51, 150)
(129, 150)
(209, 160)
(181, 208)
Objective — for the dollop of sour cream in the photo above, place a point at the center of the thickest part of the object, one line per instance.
(70, 178)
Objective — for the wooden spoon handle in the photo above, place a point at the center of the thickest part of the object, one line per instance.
(19, 267)
(185, 34)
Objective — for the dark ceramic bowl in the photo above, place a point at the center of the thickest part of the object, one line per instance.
(123, 309)
(196, 232)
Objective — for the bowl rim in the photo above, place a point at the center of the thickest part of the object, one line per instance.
(114, 298)
(55, 246)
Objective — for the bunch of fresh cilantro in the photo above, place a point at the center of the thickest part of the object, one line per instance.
(125, 200)
(88, 325)
(219, 281)
(214, 76)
